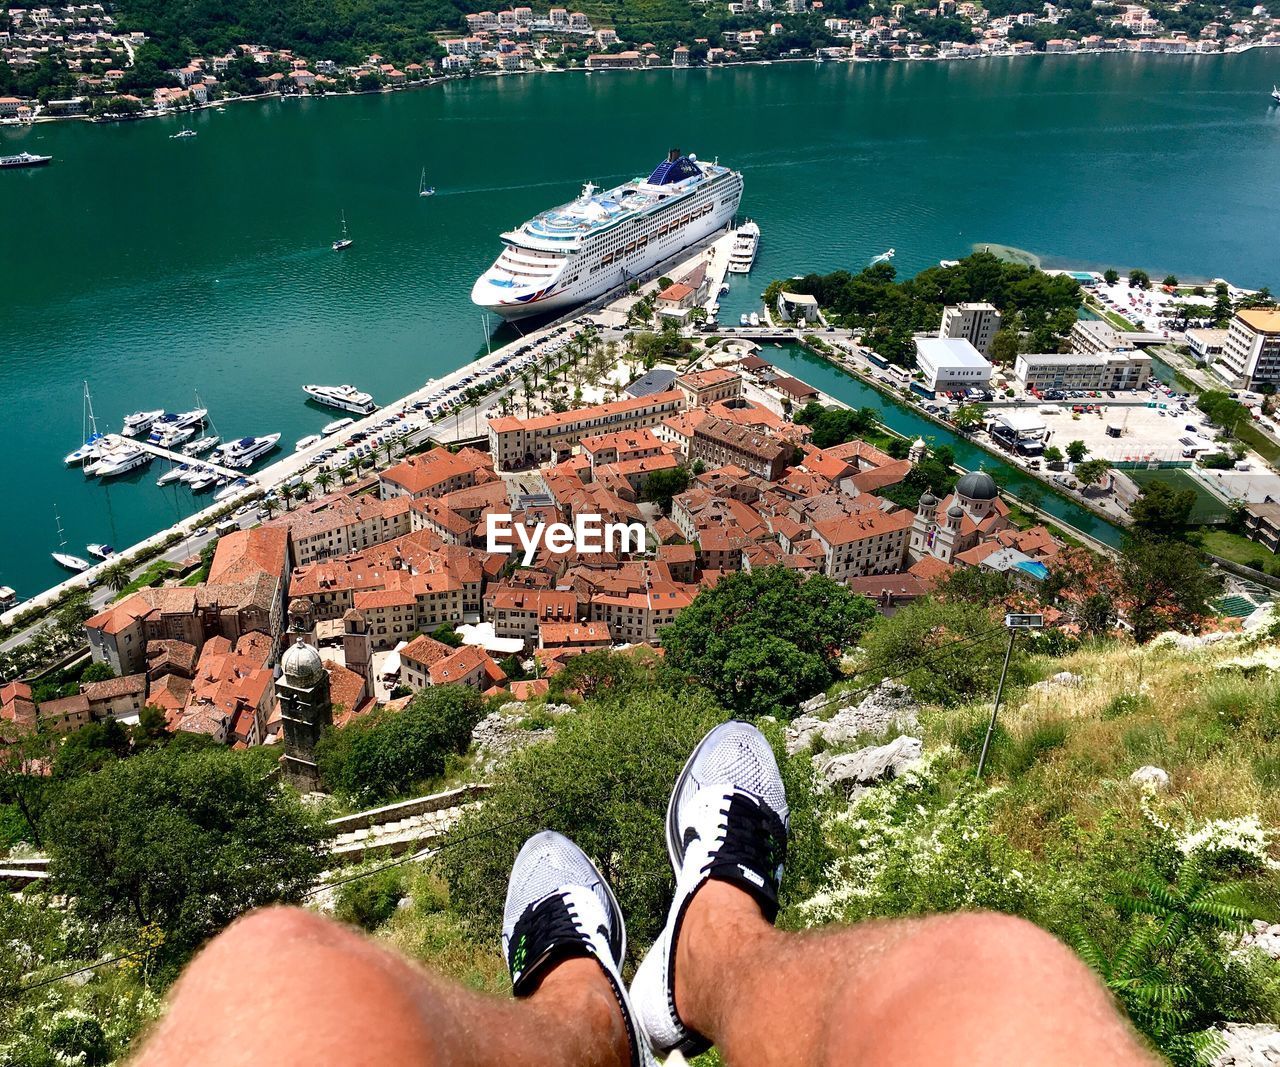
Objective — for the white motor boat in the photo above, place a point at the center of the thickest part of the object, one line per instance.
(120, 459)
(100, 551)
(140, 420)
(174, 474)
(227, 492)
(337, 426)
(246, 450)
(308, 442)
(201, 446)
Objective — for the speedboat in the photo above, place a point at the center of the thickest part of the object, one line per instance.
(754, 319)
(246, 450)
(308, 442)
(337, 426)
(171, 437)
(174, 474)
(100, 551)
(194, 473)
(205, 481)
(744, 320)
(188, 132)
(86, 451)
(139, 421)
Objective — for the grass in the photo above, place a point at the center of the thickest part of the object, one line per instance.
(155, 571)
(1259, 442)
(1236, 547)
(1118, 321)
(1067, 752)
(1207, 506)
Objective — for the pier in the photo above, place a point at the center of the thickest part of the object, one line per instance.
(176, 457)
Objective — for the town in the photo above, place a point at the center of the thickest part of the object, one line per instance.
(78, 62)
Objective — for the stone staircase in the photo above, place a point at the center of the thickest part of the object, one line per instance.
(407, 826)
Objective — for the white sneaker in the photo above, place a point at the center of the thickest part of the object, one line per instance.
(559, 906)
(727, 819)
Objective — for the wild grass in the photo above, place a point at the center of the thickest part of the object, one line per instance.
(1068, 751)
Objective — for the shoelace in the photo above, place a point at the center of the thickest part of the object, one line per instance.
(544, 931)
(754, 839)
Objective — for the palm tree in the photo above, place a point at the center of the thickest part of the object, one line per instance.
(390, 447)
(117, 575)
(270, 506)
(287, 491)
(349, 470)
(324, 480)
(304, 489)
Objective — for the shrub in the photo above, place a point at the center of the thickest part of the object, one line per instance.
(370, 902)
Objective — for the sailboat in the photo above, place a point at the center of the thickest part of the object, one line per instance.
(65, 559)
(89, 428)
(344, 241)
(423, 188)
(186, 131)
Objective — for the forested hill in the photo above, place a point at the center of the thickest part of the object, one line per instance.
(348, 30)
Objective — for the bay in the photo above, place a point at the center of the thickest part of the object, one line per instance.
(155, 267)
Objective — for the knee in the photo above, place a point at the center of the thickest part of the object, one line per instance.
(279, 935)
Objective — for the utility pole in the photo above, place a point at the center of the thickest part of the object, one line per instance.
(1013, 623)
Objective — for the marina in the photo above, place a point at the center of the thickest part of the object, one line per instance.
(198, 291)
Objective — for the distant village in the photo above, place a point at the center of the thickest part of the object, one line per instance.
(99, 57)
(390, 581)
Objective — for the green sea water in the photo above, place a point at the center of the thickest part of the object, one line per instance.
(156, 268)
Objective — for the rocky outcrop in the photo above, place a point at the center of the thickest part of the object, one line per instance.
(1155, 779)
(1061, 680)
(1265, 937)
(889, 706)
(498, 735)
(848, 771)
(1248, 1045)
(1191, 642)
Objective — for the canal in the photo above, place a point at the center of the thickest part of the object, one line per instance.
(837, 383)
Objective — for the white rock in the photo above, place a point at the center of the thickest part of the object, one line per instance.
(889, 706)
(867, 766)
(1247, 1045)
(1155, 779)
(1261, 618)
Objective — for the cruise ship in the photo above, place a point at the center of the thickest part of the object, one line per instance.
(342, 397)
(245, 451)
(743, 253)
(582, 249)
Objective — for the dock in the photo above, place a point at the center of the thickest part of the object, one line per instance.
(176, 457)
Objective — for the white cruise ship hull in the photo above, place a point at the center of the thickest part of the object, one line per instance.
(603, 260)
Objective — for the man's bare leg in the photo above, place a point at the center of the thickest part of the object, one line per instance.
(284, 987)
(965, 989)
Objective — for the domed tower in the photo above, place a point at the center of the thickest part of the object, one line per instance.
(306, 709)
(922, 529)
(302, 622)
(918, 450)
(976, 492)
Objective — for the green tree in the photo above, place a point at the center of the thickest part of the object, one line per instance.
(951, 651)
(661, 486)
(1171, 280)
(324, 480)
(1092, 471)
(1164, 585)
(1139, 279)
(183, 840)
(270, 506)
(968, 417)
(1162, 510)
(382, 755)
(764, 640)
(1076, 451)
(1004, 347)
(1053, 454)
(1111, 276)
(97, 672)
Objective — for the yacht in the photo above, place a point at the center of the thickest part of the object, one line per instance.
(176, 420)
(24, 159)
(579, 250)
(100, 551)
(172, 437)
(754, 319)
(743, 254)
(883, 257)
(344, 241)
(337, 426)
(194, 473)
(66, 559)
(174, 474)
(342, 397)
(119, 458)
(139, 421)
(89, 434)
(308, 442)
(1275, 94)
(227, 492)
(201, 446)
(8, 597)
(744, 319)
(185, 132)
(246, 450)
(205, 481)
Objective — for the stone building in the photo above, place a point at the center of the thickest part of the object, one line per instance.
(305, 709)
